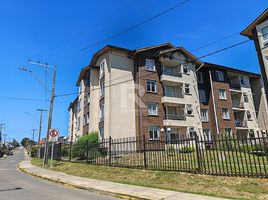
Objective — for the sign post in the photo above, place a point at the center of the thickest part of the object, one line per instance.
(53, 134)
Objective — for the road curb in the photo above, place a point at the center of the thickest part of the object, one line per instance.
(58, 181)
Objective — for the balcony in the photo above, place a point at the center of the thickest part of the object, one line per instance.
(235, 86)
(174, 98)
(174, 120)
(238, 104)
(171, 76)
(240, 123)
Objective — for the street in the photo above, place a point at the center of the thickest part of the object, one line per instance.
(17, 185)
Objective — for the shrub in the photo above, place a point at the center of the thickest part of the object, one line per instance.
(171, 150)
(65, 151)
(34, 151)
(90, 142)
(187, 150)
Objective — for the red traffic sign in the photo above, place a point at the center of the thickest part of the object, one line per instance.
(53, 132)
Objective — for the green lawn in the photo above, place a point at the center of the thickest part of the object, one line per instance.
(228, 187)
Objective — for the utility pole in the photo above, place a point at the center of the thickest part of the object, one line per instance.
(45, 66)
(31, 145)
(40, 125)
(1, 129)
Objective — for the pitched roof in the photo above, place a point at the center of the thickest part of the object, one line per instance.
(136, 51)
(183, 50)
(248, 31)
(231, 69)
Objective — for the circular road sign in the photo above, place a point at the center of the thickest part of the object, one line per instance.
(53, 132)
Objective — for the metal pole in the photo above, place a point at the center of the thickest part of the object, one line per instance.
(45, 161)
(40, 125)
(31, 144)
(1, 129)
(52, 152)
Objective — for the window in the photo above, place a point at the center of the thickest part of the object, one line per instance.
(154, 132)
(84, 120)
(102, 69)
(186, 88)
(225, 113)
(191, 131)
(101, 132)
(186, 69)
(153, 109)
(199, 76)
(245, 95)
(80, 87)
(79, 105)
(151, 86)
(78, 123)
(101, 113)
(88, 98)
(174, 135)
(204, 115)
(222, 94)
(149, 65)
(102, 89)
(228, 131)
(242, 80)
(249, 116)
(265, 33)
(189, 109)
(207, 135)
(202, 95)
(219, 76)
(87, 119)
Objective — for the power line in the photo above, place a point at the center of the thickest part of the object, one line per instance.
(135, 26)
(21, 98)
(206, 55)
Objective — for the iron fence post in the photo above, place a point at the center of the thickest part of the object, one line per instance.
(87, 150)
(197, 152)
(70, 151)
(144, 152)
(110, 150)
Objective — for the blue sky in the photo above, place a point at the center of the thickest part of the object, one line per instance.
(54, 31)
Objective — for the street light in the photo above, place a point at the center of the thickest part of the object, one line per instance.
(167, 131)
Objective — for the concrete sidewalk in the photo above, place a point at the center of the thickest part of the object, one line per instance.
(107, 187)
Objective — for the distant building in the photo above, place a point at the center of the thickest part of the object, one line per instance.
(130, 93)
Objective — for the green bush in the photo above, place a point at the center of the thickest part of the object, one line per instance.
(171, 150)
(65, 150)
(187, 150)
(34, 151)
(87, 142)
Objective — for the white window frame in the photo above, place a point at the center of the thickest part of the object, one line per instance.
(249, 115)
(156, 132)
(245, 97)
(264, 35)
(202, 96)
(199, 76)
(153, 109)
(219, 75)
(204, 115)
(187, 67)
(150, 65)
(225, 115)
(207, 135)
(101, 113)
(189, 107)
(153, 86)
(102, 69)
(222, 96)
(187, 86)
(84, 120)
(229, 132)
(87, 118)
(102, 89)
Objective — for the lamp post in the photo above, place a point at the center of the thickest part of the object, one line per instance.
(167, 132)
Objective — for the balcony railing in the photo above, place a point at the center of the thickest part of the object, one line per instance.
(235, 86)
(171, 73)
(237, 104)
(240, 123)
(174, 117)
(173, 94)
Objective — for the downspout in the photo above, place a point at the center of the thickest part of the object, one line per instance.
(214, 103)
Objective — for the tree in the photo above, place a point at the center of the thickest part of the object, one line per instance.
(26, 142)
(15, 143)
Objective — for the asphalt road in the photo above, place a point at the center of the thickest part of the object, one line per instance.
(15, 185)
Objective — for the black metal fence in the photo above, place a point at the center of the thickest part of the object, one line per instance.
(226, 155)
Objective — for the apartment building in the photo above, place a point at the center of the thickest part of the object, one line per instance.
(130, 93)
(258, 32)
